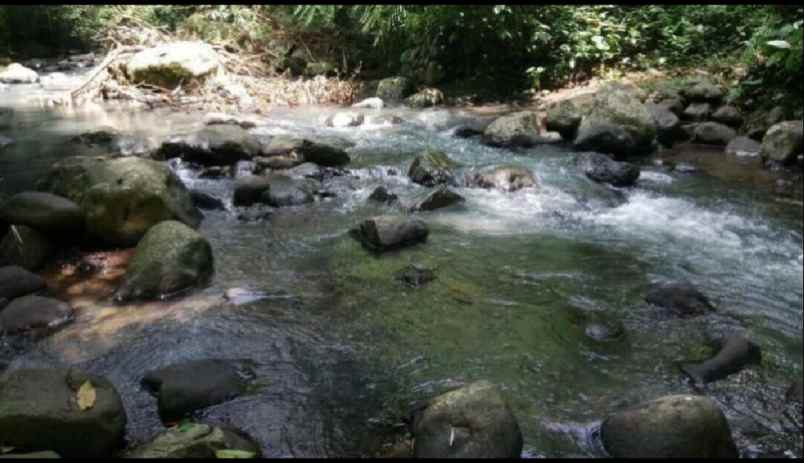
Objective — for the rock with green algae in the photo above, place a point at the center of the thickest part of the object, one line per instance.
(431, 168)
(170, 258)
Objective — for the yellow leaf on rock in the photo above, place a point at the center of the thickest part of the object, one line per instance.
(85, 396)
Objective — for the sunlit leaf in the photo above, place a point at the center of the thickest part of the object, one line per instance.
(86, 396)
(779, 44)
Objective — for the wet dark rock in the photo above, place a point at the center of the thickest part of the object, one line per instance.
(439, 198)
(105, 136)
(714, 133)
(47, 213)
(743, 146)
(212, 145)
(285, 191)
(676, 426)
(40, 411)
(215, 172)
(249, 190)
(503, 178)
(171, 257)
(603, 330)
(796, 392)
(432, 168)
(283, 152)
(122, 198)
(728, 115)
(602, 168)
(33, 313)
(681, 298)
(697, 112)
(394, 89)
(668, 126)
(520, 129)
(188, 386)
(617, 124)
(385, 233)
(471, 422)
(564, 117)
(206, 201)
(17, 282)
(381, 195)
(415, 276)
(703, 91)
(197, 440)
(26, 248)
(466, 131)
(734, 353)
(783, 142)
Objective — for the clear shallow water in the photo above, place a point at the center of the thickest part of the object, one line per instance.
(341, 349)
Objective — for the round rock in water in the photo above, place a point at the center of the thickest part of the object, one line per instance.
(42, 409)
(471, 422)
(677, 426)
(15, 281)
(33, 312)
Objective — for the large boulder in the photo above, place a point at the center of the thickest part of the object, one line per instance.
(283, 152)
(32, 313)
(503, 178)
(173, 63)
(783, 142)
(17, 282)
(668, 125)
(703, 90)
(563, 117)
(214, 145)
(394, 89)
(25, 247)
(48, 213)
(618, 124)
(188, 386)
(197, 440)
(122, 198)
(250, 189)
(171, 257)
(432, 168)
(680, 297)
(439, 198)
(602, 168)
(64, 410)
(714, 133)
(743, 146)
(16, 73)
(471, 422)
(522, 128)
(676, 426)
(385, 233)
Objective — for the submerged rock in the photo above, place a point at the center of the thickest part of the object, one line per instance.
(381, 195)
(432, 168)
(188, 386)
(601, 168)
(471, 422)
(16, 73)
(171, 257)
(48, 213)
(197, 440)
(170, 64)
(25, 247)
(213, 145)
(680, 297)
(42, 409)
(32, 313)
(385, 233)
(735, 352)
(415, 276)
(503, 178)
(617, 124)
(439, 198)
(783, 142)
(676, 426)
(17, 282)
(743, 146)
(122, 198)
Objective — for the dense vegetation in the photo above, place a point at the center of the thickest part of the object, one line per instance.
(516, 47)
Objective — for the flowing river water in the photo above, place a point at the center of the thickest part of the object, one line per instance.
(341, 349)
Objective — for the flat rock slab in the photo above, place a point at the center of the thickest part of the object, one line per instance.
(185, 387)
